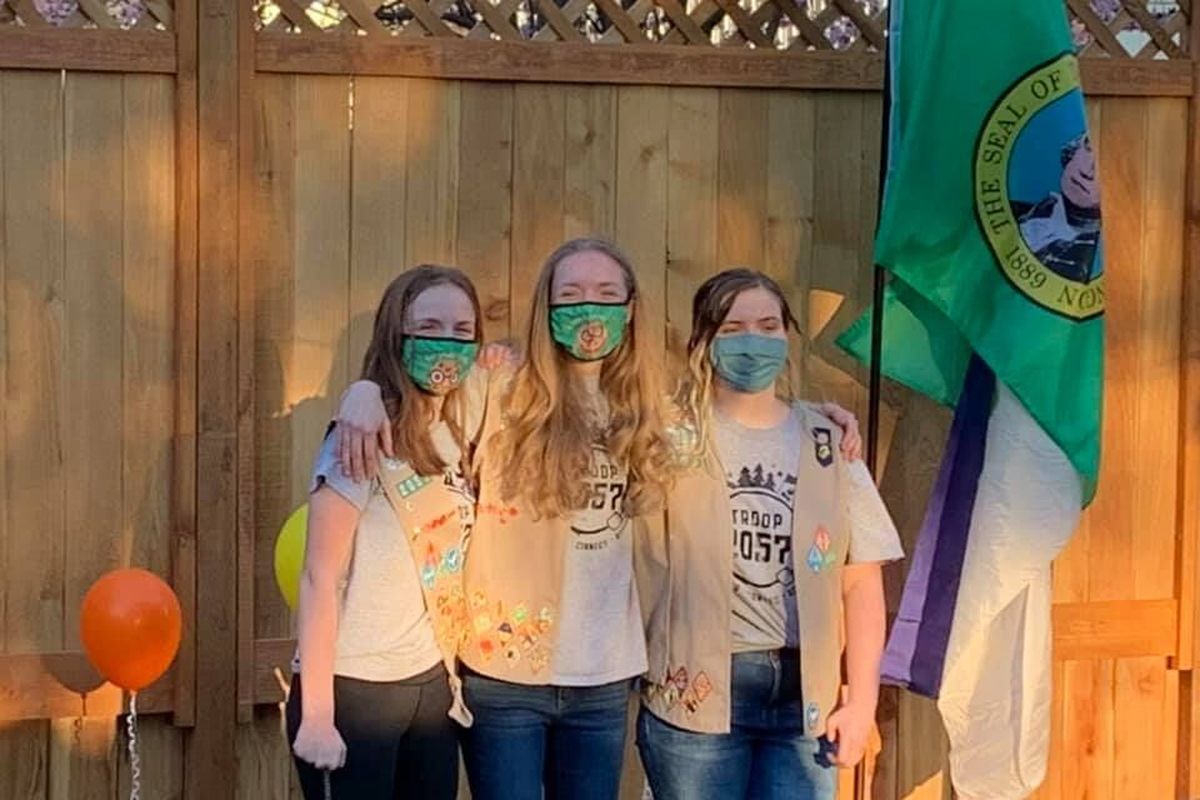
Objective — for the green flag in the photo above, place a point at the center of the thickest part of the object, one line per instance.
(990, 224)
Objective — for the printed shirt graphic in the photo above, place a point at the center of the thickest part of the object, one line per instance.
(600, 624)
(760, 466)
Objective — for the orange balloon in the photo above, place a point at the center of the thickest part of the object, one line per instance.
(130, 625)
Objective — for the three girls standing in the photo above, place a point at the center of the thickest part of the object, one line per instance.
(572, 457)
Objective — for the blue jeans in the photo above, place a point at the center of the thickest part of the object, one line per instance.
(571, 739)
(765, 756)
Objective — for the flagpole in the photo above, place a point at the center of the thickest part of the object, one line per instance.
(880, 282)
(861, 783)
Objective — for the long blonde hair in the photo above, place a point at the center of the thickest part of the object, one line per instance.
(546, 445)
(710, 306)
(409, 409)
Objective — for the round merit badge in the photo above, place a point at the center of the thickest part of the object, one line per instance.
(1037, 196)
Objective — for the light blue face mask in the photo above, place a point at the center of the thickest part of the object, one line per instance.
(748, 362)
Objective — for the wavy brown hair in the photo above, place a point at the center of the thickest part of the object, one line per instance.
(546, 446)
(710, 306)
(411, 410)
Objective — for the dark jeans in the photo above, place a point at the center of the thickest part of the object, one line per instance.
(765, 756)
(399, 741)
(569, 739)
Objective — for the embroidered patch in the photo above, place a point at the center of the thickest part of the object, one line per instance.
(820, 556)
(538, 660)
(505, 513)
(821, 538)
(812, 715)
(678, 688)
(514, 633)
(823, 446)
(412, 484)
(814, 559)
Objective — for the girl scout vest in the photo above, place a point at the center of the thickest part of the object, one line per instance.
(429, 515)
(685, 575)
(514, 574)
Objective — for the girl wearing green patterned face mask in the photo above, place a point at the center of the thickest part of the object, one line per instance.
(589, 305)
(373, 653)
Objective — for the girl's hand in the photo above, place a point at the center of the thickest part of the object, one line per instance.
(497, 354)
(849, 728)
(363, 429)
(321, 745)
(851, 438)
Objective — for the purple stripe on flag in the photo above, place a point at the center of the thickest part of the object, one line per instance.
(916, 651)
(897, 658)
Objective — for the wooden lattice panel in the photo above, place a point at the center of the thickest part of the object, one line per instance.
(848, 25)
(109, 14)
(1142, 29)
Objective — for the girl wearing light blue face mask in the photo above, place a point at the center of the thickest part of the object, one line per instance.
(728, 712)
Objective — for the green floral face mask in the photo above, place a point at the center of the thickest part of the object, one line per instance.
(438, 365)
(589, 331)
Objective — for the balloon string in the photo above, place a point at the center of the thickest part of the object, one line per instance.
(135, 759)
(328, 790)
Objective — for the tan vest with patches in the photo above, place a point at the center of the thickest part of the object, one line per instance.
(513, 577)
(685, 575)
(428, 512)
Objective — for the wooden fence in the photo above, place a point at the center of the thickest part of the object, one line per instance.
(201, 205)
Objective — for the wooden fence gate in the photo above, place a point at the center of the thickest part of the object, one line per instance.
(200, 203)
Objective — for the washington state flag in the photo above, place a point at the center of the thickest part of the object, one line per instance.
(990, 232)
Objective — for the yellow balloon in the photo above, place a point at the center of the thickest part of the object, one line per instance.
(289, 555)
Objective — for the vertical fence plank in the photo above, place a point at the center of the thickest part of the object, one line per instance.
(377, 203)
(742, 178)
(318, 369)
(485, 198)
(83, 758)
(274, 203)
(691, 205)
(183, 454)
(432, 142)
(211, 748)
(149, 274)
(539, 113)
(589, 192)
(24, 752)
(642, 124)
(35, 319)
(94, 286)
(787, 251)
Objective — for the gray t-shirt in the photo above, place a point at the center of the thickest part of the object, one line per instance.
(600, 635)
(760, 466)
(384, 630)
